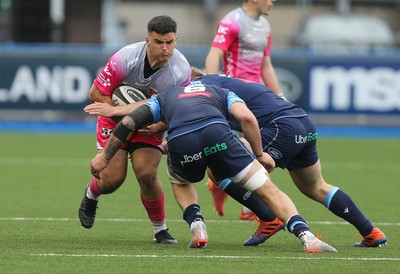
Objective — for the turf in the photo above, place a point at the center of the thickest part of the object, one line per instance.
(42, 181)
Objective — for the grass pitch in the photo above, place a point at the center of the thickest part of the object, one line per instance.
(42, 181)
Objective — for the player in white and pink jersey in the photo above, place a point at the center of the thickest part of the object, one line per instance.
(151, 66)
(243, 42)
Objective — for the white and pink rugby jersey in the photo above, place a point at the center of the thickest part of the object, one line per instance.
(245, 41)
(127, 65)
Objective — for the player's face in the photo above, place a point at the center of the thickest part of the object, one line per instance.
(161, 46)
(264, 6)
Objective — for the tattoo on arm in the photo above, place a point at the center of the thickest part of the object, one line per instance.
(113, 145)
(129, 123)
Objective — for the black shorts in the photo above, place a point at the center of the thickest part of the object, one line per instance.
(214, 146)
(291, 142)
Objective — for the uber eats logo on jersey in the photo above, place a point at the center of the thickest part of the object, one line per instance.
(207, 151)
(300, 139)
(215, 149)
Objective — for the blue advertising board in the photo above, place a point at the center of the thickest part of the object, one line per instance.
(353, 85)
(51, 81)
(328, 84)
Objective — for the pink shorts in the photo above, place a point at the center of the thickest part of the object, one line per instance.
(105, 126)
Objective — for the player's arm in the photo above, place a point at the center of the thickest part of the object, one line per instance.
(268, 76)
(137, 119)
(251, 132)
(95, 95)
(106, 110)
(212, 60)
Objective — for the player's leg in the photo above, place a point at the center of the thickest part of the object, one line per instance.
(145, 160)
(186, 164)
(253, 176)
(310, 182)
(112, 178)
(256, 180)
(268, 225)
(186, 196)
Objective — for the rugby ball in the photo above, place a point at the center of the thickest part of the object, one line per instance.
(124, 95)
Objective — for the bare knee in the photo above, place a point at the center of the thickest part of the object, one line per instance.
(147, 178)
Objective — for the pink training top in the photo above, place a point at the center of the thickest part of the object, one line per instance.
(127, 66)
(245, 41)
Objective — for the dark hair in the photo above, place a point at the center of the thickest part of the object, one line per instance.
(162, 24)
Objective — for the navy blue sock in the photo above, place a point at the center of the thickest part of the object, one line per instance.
(340, 204)
(192, 213)
(296, 225)
(246, 198)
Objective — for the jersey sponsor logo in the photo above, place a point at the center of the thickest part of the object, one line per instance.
(106, 131)
(206, 94)
(207, 151)
(104, 81)
(177, 71)
(229, 61)
(220, 39)
(252, 53)
(222, 30)
(246, 195)
(107, 71)
(194, 90)
(190, 158)
(215, 149)
(248, 38)
(301, 139)
(275, 153)
(133, 61)
(113, 65)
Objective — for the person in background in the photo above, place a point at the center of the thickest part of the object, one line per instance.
(243, 42)
(199, 139)
(150, 66)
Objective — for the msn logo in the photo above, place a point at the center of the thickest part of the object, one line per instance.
(354, 89)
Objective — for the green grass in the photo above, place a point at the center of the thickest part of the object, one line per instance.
(42, 182)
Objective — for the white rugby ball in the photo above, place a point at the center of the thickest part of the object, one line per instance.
(124, 95)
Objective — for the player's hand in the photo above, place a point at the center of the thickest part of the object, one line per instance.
(157, 128)
(150, 129)
(97, 164)
(102, 109)
(266, 160)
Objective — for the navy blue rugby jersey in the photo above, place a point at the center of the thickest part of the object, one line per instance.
(261, 100)
(190, 108)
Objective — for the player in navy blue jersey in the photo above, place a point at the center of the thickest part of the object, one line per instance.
(289, 137)
(199, 137)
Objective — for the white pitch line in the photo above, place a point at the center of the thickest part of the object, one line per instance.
(212, 257)
(169, 220)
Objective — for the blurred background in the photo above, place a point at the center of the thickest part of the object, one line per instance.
(339, 60)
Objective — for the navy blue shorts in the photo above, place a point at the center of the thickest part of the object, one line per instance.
(291, 142)
(214, 146)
